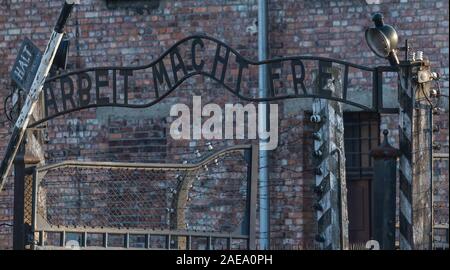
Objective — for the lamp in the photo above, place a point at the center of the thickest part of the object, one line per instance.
(382, 39)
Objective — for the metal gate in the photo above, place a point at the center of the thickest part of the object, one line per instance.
(109, 205)
(308, 161)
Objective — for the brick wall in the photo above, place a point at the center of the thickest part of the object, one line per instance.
(108, 33)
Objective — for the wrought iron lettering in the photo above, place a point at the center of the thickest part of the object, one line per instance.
(191, 56)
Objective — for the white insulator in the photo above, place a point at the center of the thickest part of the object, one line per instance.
(317, 136)
(435, 75)
(315, 118)
(318, 153)
(210, 147)
(434, 92)
(419, 55)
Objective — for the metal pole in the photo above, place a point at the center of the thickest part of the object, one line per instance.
(262, 123)
(35, 91)
(430, 120)
(252, 189)
(19, 203)
(384, 193)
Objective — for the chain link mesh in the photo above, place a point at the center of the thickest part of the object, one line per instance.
(211, 198)
(28, 200)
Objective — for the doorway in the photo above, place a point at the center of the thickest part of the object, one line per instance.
(361, 135)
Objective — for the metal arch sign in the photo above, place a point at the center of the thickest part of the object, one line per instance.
(205, 56)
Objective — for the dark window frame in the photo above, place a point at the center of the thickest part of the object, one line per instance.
(361, 135)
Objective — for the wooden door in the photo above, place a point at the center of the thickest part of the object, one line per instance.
(361, 134)
(358, 197)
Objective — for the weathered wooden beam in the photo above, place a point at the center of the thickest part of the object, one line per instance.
(331, 205)
(416, 157)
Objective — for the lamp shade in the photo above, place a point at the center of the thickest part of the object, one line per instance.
(382, 39)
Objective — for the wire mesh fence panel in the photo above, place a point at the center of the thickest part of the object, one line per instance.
(103, 197)
(210, 198)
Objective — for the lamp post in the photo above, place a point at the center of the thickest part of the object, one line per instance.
(383, 39)
(414, 82)
(383, 193)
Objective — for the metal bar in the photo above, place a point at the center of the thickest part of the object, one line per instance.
(253, 187)
(345, 86)
(105, 240)
(34, 205)
(369, 143)
(19, 199)
(359, 145)
(62, 239)
(168, 240)
(380, 90)
(394, 69)
(147, 240)
(209, 239)
(34, 92)
(430, 120)
(263, 77)
(114, 165)
(377, 92)
(118, 248)
(189, 242)
(41, 238)
(358, 139)
(389, 110)
(441, 226)
(84, 239)
(440, 155)
(103, 230)
(127, 240)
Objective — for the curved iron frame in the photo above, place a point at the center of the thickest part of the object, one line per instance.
(40, 226)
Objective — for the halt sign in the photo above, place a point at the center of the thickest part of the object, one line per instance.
(26, 65)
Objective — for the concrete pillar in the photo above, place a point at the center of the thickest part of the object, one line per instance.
(329, 159)
(415, 158)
